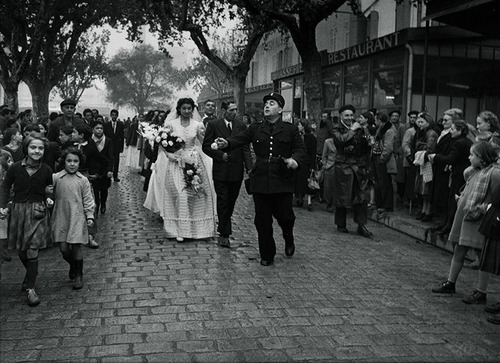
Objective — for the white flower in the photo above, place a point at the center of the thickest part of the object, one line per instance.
(214, 146)
(164, 135)
(189, 172)
(157, 139)
(171, 143)
(164, 143)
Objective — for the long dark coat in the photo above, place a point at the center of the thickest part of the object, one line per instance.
(238, 159)
(303, 174)
(270, 176)
(440, 188)
(351, 176)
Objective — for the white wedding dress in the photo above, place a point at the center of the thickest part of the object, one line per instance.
(185, 213)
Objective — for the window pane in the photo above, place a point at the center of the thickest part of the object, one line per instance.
(388, 88)
(356, 90)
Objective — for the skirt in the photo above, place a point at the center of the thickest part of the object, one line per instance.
(29, 226)
(490, 256)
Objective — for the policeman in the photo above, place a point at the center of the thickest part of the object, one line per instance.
(279, 150)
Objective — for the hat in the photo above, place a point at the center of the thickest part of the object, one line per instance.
(347, 107)
(395, 111)
(413, 112)
(68, 101)
(275, 96)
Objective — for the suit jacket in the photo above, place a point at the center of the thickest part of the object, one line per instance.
(117, 136)
(269, 175)
(107, 152)
(95, 162)
(232, 170)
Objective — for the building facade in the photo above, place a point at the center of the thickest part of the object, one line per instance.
(387, 58)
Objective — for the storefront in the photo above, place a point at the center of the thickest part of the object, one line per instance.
(388, 73)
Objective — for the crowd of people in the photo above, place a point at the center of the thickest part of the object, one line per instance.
(194, 167)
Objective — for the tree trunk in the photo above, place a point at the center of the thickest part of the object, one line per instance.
(40, 94)
(11, 96)
(239, 82)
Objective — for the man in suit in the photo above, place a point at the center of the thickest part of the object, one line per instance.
(227, 168)
(280, 150)
(209, 112)
(114, 130)
(102, 182)
(68, 118)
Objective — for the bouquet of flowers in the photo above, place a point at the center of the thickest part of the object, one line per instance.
(192, 171)
(148, 131)
(168, 139)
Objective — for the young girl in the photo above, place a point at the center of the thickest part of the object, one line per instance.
(73, 213)
(29, 222)
(483, 178)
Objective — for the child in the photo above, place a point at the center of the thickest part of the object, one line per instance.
(65, 140)
(483, 177)
(29, 222)
(102, 182)
(90, 166)
(73, 200)
(4, 166)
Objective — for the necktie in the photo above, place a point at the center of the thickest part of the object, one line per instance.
(229, 127)
(114, 126)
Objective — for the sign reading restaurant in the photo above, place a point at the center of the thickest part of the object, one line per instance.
(359, 50)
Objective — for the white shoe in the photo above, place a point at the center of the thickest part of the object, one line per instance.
(180, 239)
(93, 243)
(33, 299)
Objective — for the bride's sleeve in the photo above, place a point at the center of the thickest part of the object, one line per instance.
(200, 132)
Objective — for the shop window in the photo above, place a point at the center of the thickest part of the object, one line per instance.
(388, 88)
(286, 84)
(331, 88)
(356, 90)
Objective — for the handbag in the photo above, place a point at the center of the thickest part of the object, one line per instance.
(39, 211)
(312, 182)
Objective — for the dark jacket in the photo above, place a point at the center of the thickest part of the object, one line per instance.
(238, 159)
(107, 152)
(53, 133)
(132, 136)
(117, 136)
(95, 162)
(51, 155)
(269, 174)
(301, 175)
(26, 188)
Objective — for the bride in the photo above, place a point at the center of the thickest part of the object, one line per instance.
(187, 208)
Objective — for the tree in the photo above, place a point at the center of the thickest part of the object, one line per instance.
(39, 39)
(197, 17)
(301, 18)
(202, 73)
(140, 78)
(88, 65)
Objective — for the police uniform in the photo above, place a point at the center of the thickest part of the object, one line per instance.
(271, 182)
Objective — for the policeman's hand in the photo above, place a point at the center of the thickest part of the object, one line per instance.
(221, 143)
(355, 126)
(225, 157)
(291, 163)
(90, 222)
(431, 157)
(4, 212)
(49, 202)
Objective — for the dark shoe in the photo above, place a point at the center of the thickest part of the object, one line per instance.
(266, 262)
(299, 203)
(103, 209)
(342, 229)
(420, 215)
(427, 218)
(495, 319)
(329, 209)
(290, 249)
(78, 282)
(93, 243)
(224, 242)
(33, 299)
(493, 308)
(446, 287)
(477, 297)
(362, 231)
(309, 207)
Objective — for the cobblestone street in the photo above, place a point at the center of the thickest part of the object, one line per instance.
(147, 298)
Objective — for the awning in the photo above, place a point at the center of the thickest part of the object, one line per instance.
(480, 16)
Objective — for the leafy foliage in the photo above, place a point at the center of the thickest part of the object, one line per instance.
(141, 78)
(88, 65)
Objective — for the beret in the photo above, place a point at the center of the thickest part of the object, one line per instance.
(68, 101)
(347, 107)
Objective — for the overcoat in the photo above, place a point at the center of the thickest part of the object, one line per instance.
(269, 174)
(238, 159)
(351, 166)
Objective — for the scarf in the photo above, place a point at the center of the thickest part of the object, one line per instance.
(100, 143)
(478, 182)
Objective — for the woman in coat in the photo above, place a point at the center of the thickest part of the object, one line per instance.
(301, 176)
(384, 163)
(456, 160)
(424, 144)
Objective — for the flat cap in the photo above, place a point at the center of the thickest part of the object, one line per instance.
(68, 101)
(413, 112)
(347, 107)
(275, 96)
